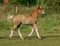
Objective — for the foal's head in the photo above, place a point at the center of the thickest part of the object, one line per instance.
(40, 10)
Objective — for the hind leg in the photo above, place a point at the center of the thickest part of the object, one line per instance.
(18, 27)
(12, 31)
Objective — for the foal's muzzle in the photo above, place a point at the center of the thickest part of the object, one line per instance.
(43, 12)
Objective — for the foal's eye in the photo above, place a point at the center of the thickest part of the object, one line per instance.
(38, 7)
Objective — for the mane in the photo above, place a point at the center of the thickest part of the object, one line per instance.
(33, 11)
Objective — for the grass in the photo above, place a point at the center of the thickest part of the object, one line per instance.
(49, 39)
(48, 26)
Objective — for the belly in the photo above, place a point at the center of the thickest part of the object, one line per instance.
(25, 22)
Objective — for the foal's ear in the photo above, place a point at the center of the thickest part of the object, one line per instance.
(38, 7)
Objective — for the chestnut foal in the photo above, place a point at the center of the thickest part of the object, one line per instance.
(31, 19)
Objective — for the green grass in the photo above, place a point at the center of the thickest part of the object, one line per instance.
(49, 39)
(48, 26)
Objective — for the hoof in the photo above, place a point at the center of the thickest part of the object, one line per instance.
(40, 38)
(22, 38)
(9, 36)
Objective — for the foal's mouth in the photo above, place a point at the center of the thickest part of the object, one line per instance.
(43, 14)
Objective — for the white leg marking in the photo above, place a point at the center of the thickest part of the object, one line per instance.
(20, 33)
(31, 32)
(11, 34)
(37, 32)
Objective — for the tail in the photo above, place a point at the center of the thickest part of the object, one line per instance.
(10, 17)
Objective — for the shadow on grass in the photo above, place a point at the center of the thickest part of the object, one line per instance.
(3, 37)
(50, 36)
(15, 37)
(30, 38)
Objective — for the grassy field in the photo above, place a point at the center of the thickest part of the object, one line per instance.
(48, 26)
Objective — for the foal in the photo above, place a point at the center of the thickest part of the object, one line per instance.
(31, 19)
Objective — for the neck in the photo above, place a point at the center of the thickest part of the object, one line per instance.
(34, 14)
